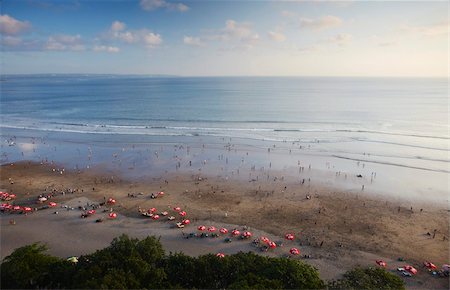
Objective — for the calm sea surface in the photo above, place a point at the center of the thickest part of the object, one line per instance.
(392, 121)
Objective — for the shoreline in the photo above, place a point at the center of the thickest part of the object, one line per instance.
(337, 228)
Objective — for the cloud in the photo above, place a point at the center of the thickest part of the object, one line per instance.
(118, 32)
(437, 29)
(11, 41)
(276, 36)
(64, 42)
(104, 48)
(117, 26)
(194, 41)
(238, 31)
(321, 23)
(150, 5)
(341, 39)
(237, 35)
(12, 26)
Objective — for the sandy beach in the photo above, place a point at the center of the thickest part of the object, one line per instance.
(335, 229)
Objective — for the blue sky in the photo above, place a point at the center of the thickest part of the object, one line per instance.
(208, 38)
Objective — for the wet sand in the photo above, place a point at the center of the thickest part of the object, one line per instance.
(339, 229)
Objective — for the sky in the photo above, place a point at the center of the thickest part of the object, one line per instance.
(226, 38)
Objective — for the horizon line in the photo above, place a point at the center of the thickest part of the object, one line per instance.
(224, 76)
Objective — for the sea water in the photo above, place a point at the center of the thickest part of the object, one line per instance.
(397, 127)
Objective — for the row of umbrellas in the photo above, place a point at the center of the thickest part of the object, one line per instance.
(17, 208)
(7, 196)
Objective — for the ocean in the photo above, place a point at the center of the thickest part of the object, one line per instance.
(396, 125)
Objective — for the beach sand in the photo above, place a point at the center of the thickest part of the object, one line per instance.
(338, 229)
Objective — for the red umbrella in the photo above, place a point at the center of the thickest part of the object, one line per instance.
(430, 265)
(272, 245)
(381, 263)
(220, 255)
(201, 228)
(177, 208)
(152, 210)
(411, 269)
(111, 200)
(185, 222)
(265, 239)
(161, 193)
(223, 231)
(289, 237)
(16, 207)
(8, 206)
(155, 217)
(235, 232)
(113, 215)
(247, 234)
(52, 204)
(182, 213)
(212, 229)
(27, 209)
(92, 211)
(294, 251)
(12, 196)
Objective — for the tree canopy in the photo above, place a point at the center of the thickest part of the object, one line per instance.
(131, 263)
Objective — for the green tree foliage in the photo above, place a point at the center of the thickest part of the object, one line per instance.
(27, 267)
(368, 278)
(126, 263)
(130, 263)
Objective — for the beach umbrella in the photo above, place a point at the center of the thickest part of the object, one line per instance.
(161, 193)
(289, 237)
(152, 210)
(247, 234)
(52, 204)
(8, 206)
(272, 245)
(3, 206)
(235, 232)
(220, 255)
(12, 196)
(265, 239)
(223, 231)
(16, 207)
(212, 229)
(381, 263)
(430, 265)
(177, 208)
(73, 259)
(185, 222)
(182, 213)
(111, 200)
(112, 215)
(294, 251)
(201, 228)
(155, 217)
(164, 213)
(411, 269)
(27, 209)
(92, 211)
